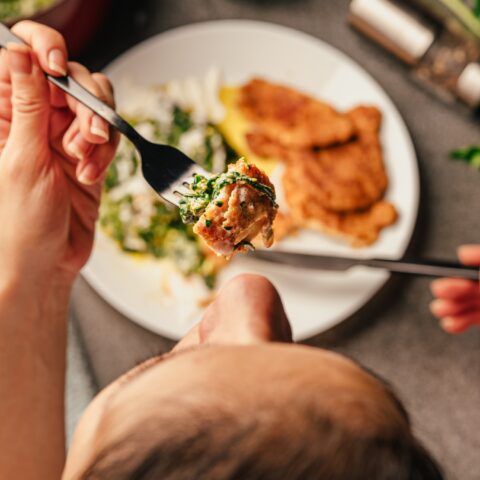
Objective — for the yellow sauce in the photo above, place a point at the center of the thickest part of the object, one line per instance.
(235, 126)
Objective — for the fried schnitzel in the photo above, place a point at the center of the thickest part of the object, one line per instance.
(341, 178)
(339, 190)
(334, 178)
(298, 120)
(359, 227)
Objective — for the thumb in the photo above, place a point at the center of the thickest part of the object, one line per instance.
(30, 98)
(469, 254)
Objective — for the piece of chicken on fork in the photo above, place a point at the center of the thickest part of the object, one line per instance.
(231, 209)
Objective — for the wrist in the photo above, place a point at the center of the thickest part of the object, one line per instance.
(49, 293)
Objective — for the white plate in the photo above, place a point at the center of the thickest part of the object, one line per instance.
(315, 301)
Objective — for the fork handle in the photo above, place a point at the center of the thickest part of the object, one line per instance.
(75, 90)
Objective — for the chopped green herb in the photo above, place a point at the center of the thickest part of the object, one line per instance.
(210, 280)
(135, 161)
(230, 152)
(180, 124)
(208, 222)
(227, 227)
(219, 203)
(204, 190)
(111, 179)
(470, 155)
(208, 150)
(166, 236)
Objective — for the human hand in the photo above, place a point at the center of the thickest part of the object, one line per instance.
(457, 302)
(53, 155)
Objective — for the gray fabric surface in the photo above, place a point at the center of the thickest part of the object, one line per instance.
(436, 375)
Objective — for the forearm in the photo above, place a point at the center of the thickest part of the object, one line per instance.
(32, 377)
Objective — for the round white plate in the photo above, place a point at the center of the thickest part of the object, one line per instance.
(315, 301)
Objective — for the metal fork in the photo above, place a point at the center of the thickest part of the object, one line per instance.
(164, 167)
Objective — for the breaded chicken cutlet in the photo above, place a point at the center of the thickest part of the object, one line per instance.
(295, 119)
(359, 227)
(342, 178)
(351, 176)
(337, 190)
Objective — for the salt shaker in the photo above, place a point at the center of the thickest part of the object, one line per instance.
(445, 63)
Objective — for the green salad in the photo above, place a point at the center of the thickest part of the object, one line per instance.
(134, 215)
(10, 9)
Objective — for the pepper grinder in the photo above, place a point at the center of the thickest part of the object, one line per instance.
(446, 64)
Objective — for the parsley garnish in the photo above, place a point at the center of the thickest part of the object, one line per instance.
(470, 155)
(181, 123)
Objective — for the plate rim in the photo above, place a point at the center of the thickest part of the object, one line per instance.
(88, 273)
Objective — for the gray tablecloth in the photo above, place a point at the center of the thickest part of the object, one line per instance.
(437, 375)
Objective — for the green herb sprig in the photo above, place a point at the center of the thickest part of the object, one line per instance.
(470, 155)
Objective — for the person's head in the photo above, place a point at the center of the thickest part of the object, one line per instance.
(228, 404)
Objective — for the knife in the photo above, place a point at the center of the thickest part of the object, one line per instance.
(424, 267)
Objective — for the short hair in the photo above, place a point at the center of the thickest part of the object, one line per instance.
(188, 441)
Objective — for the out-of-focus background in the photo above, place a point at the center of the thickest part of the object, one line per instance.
(435, 374)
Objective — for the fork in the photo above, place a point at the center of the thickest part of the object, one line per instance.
(164, 167)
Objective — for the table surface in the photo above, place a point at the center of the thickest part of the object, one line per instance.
(436, 375)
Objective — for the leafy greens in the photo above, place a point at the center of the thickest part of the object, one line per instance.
(470, 155)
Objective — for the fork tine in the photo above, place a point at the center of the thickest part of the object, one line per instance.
(168, 170)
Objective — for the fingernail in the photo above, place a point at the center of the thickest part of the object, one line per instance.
(75, 149)
(99, 127)
(435, 285)
(19, 59)
(57, 62)
(436, 305)
(447, 323)
(89, 175)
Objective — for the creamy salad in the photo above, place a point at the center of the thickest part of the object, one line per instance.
(182, 113)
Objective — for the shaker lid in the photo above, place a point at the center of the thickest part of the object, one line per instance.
(468, 84)
(394, 28)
